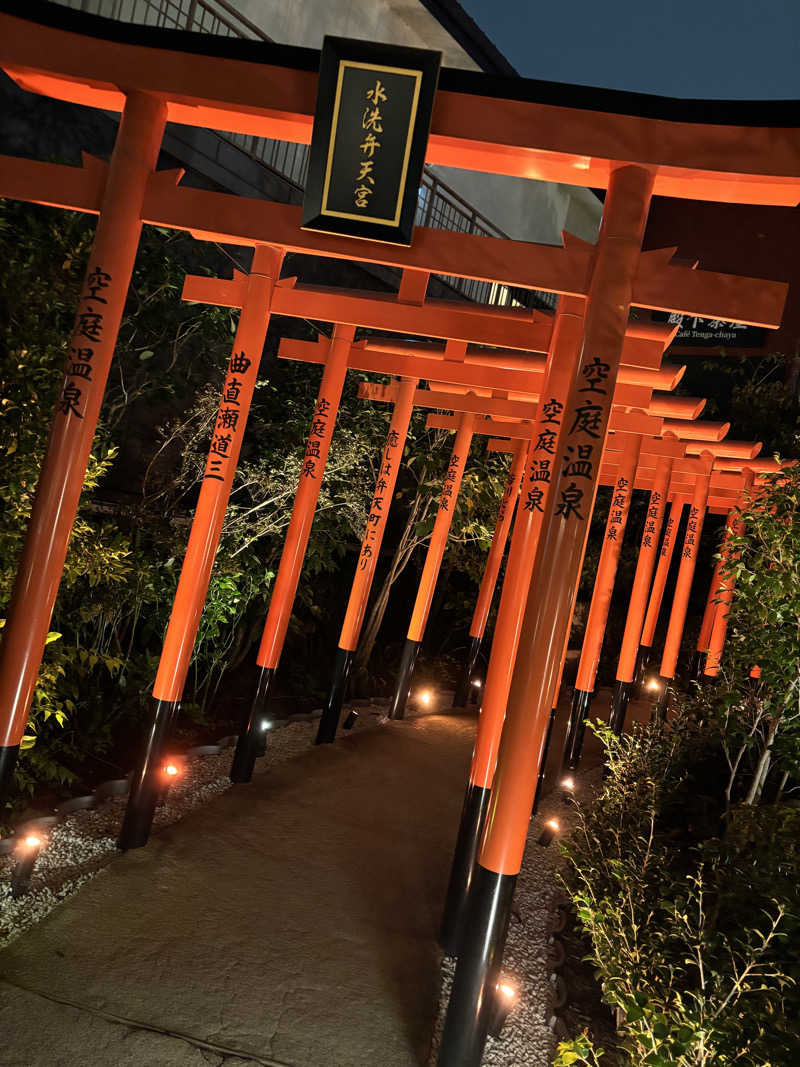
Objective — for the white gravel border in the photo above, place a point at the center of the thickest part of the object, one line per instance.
(527, 1039)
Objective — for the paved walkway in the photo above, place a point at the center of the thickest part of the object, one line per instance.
(289, 922)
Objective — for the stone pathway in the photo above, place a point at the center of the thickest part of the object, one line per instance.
(289, 922)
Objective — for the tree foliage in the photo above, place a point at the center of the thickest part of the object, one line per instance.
(685, 872)
(144, 476)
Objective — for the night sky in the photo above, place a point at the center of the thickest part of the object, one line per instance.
(723, 49)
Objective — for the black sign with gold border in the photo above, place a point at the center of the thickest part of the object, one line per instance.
(374, 106)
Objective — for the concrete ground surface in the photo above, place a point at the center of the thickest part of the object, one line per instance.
(290, 922)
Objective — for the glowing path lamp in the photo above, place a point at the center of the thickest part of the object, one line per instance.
(27, 854)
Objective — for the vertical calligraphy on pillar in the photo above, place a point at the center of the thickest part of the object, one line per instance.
(86, 335)
(690, 543)
(651, 520)
(224, 440)
(619, 508)
(584, 444)
(379, 507)
(669, 531)
(540, 466)
(449, 481)
(319, 432)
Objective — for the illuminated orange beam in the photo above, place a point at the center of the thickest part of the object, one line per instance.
(620, 422)
(498, 407)
(243, 220)
(633, 371)
(521, 385)
(574, 145)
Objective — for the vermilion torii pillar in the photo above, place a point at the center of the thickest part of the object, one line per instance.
(91, 348)
(433, 563)
(720, 627)
(560, 374)
(712, 601)
(491, 570)
(294, 549)
(645, 564)
(212, 503)
(368, 558)
(601, 600)
(564, 523)
(683, 583)
(671, 527)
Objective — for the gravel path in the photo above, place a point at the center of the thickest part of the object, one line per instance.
(84, 842)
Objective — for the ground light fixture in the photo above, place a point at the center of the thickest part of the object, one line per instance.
(568, 787)
(503, 1001)
(477, 683)
(426, 698)
(549, 831)
(27, 852)
(653, 686)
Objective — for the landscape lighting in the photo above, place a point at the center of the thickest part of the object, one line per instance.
(28, 850)
(426, 697)
(653, 686)
(502, 1003)
(476, 682)
(549, 831)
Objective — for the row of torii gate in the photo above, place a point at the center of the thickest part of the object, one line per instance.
(580, 399)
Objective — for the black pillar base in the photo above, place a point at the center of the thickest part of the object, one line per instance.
(620, 698)
(329, 723)
(147, 783)
(698, 665)
(465, 856)
(581, 702)
(470, 1010)
(402, 689)
(465, 687)
(251, 734)
(540, 782)
(643, 658)
(8, 761)
(661, 703)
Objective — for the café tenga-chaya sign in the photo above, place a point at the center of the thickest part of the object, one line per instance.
(697, 332)
(371, 124)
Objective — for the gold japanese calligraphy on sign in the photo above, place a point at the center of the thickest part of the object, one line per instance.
(370, 145)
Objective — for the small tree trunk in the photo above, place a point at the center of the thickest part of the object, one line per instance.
(754, 794)
(781, 787)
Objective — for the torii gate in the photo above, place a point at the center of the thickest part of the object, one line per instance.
(632, 148)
